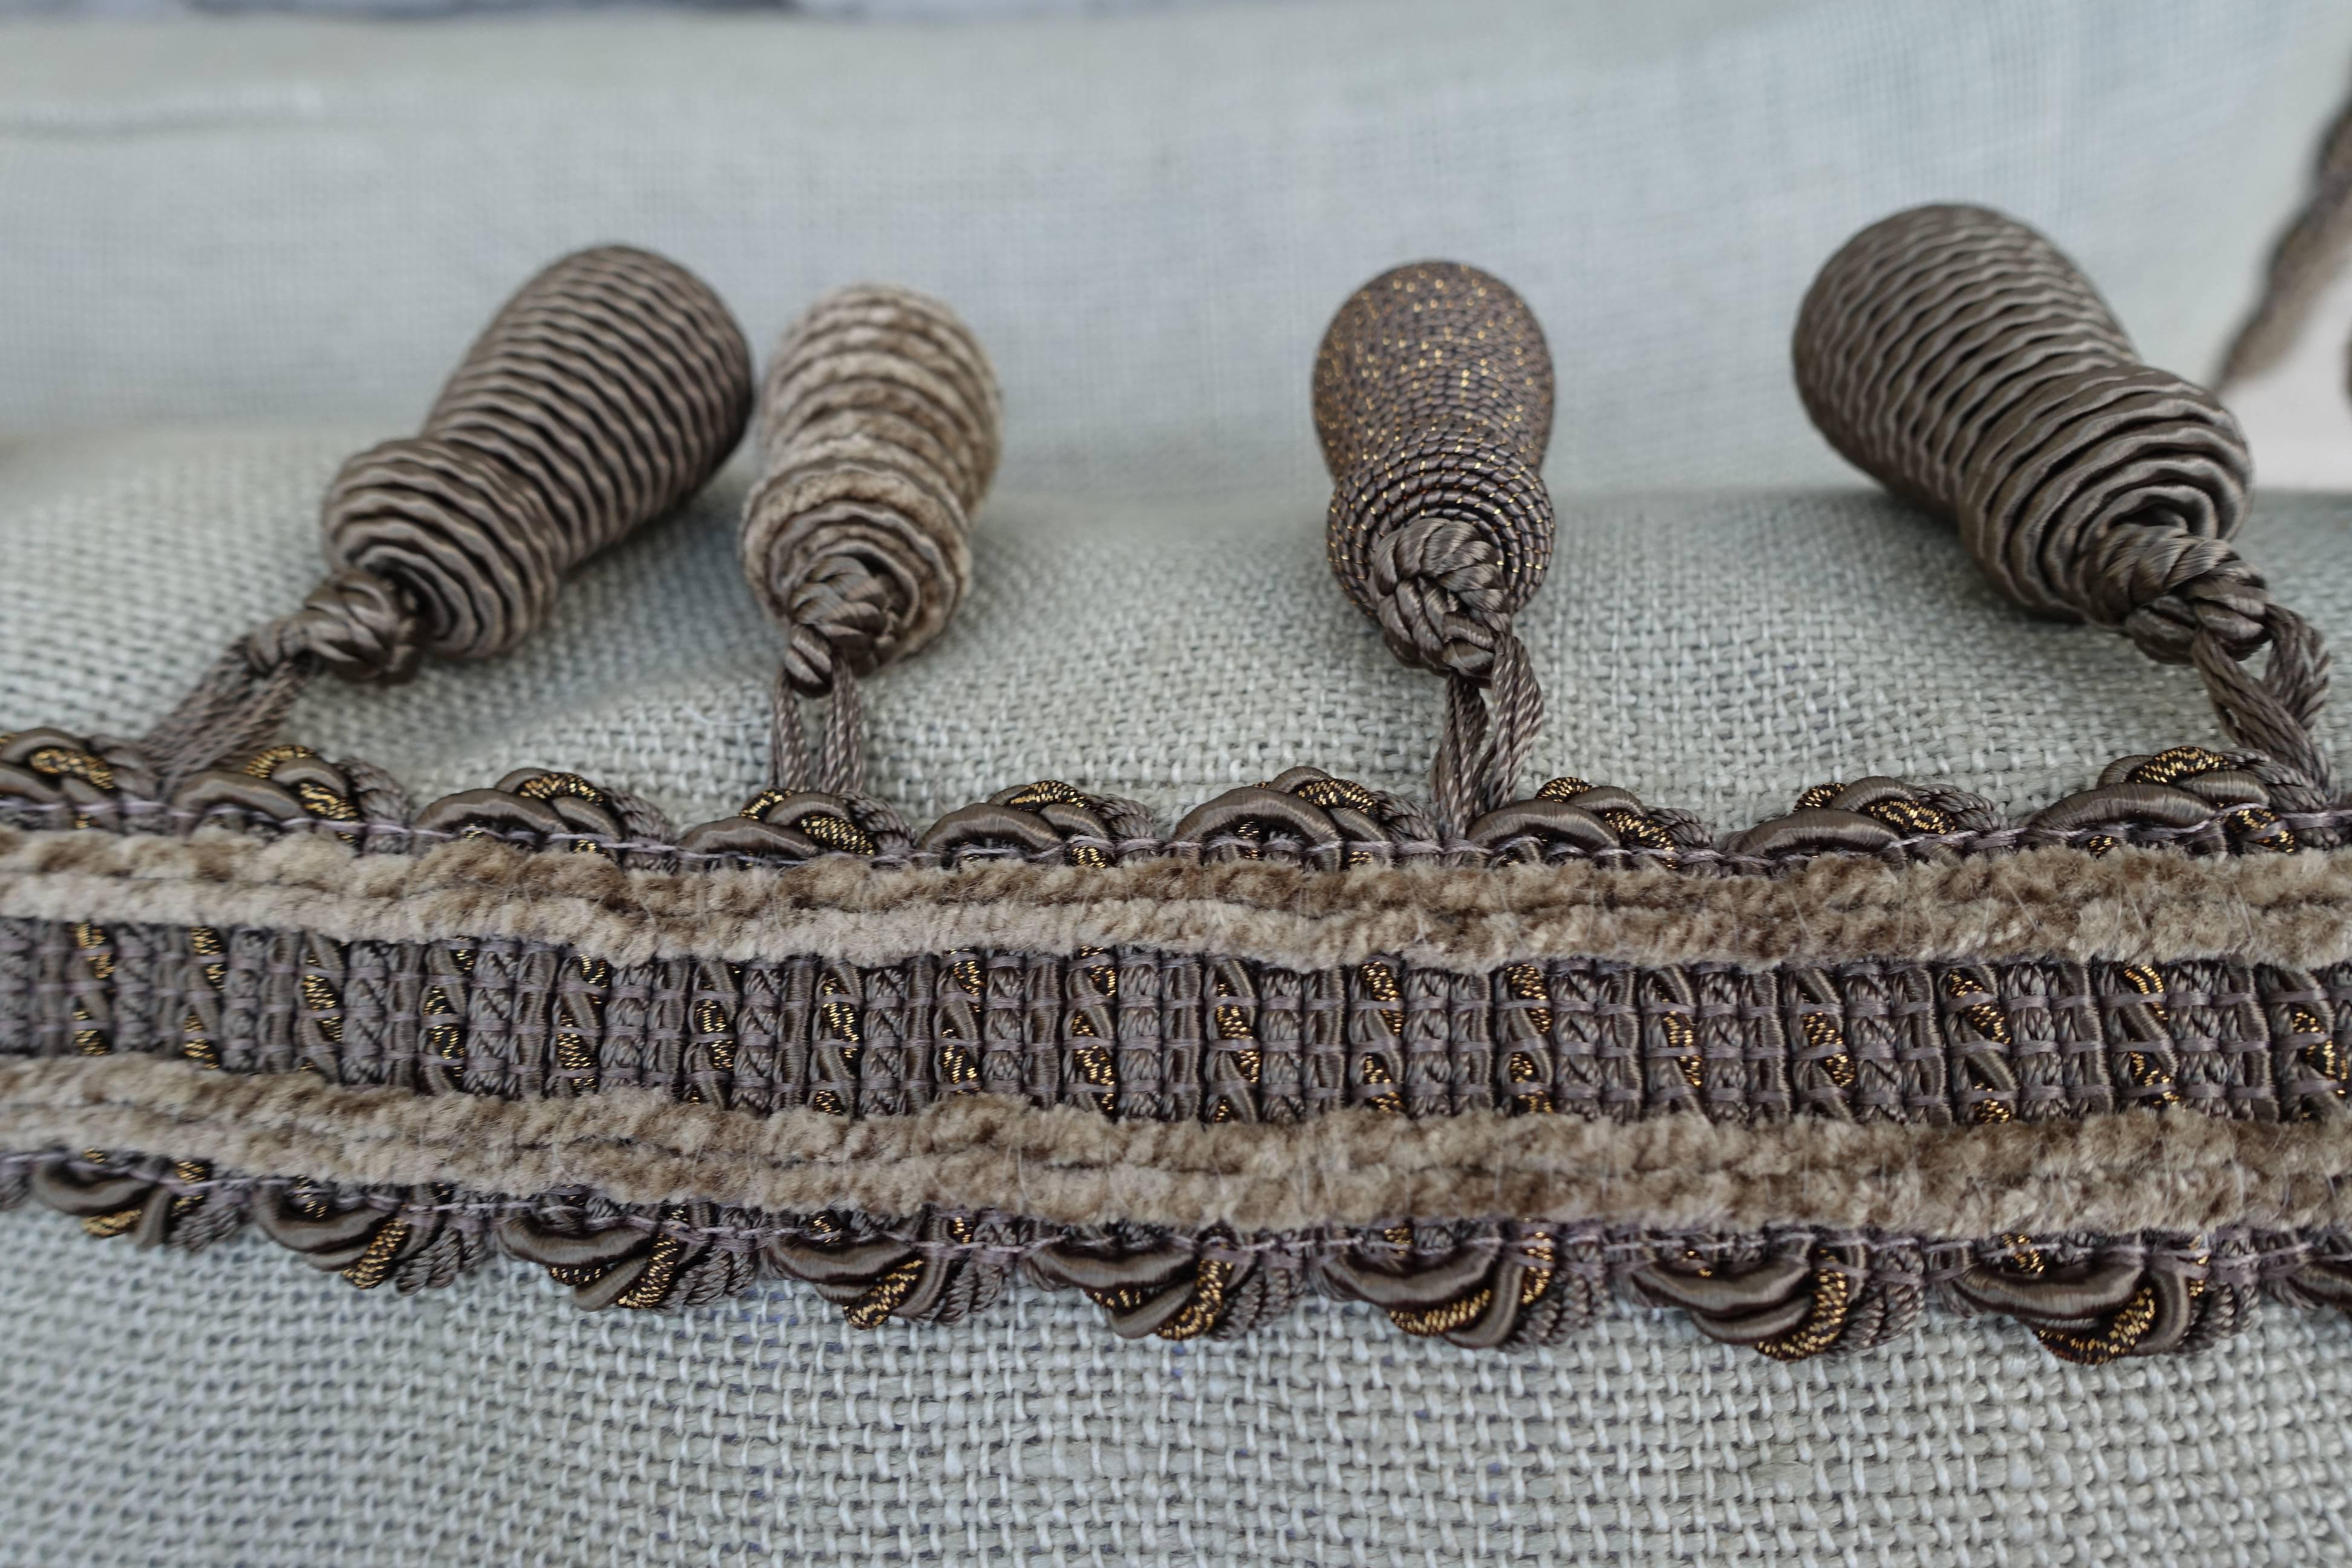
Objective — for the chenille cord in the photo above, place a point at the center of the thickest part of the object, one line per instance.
(1957, 357)
(1433, 399)
(878, 429)
(605, 391)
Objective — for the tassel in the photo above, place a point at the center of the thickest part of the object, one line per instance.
(608, 390)
(879, 430)
(1960, 358)
(1433, 399)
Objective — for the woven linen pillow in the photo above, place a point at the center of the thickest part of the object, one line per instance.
(104, 1328)
(1168, 637)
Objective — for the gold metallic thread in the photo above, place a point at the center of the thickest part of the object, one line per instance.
(1986, 1019)
(547, 786)
(2178, 763)
(841, 1024)
(2145, 1071)
(1425, 1322)
(447, 1039)
(840, 1017)
(2323, 1056)
(579, 1274)
(189, 1171)
(1822, 1034)
(319, 801)
(1991, 1024)
(1103, 977)
(65, 762)
(872, 1310)
(827, 828)
(320, 998)
(195, 1044)
(2124, 1332)
(2261, 826)
(653, 1284)
(1381, 982)
(1643, 832)
(2149, 983)
(1526, 984)
(710, 1018)
(92, 940)
(1047, 791)
(1543, 1254)
(1211, 1278)
(1328, 794)
(1097, 1068)
(578, 1016)
(1825, 1320)
(264, 762)
(372, 1267)
(1681, 1043)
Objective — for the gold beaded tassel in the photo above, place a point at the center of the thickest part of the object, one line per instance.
(1433, 401)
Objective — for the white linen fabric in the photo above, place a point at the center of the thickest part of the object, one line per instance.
(233, 255)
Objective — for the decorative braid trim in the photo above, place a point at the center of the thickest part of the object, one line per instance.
(2185, 798)
(1142, 1034)
(1880, 1004)
(1789, 1291)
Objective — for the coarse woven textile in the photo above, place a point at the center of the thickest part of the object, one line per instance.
(1147, 218)
(232, 1408)
(1720, 650)
(1714, 652)
(294, 221)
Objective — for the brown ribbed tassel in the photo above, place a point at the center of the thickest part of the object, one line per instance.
(608, 390)
(1434, 397)
(1960, 358)
(879, 430)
